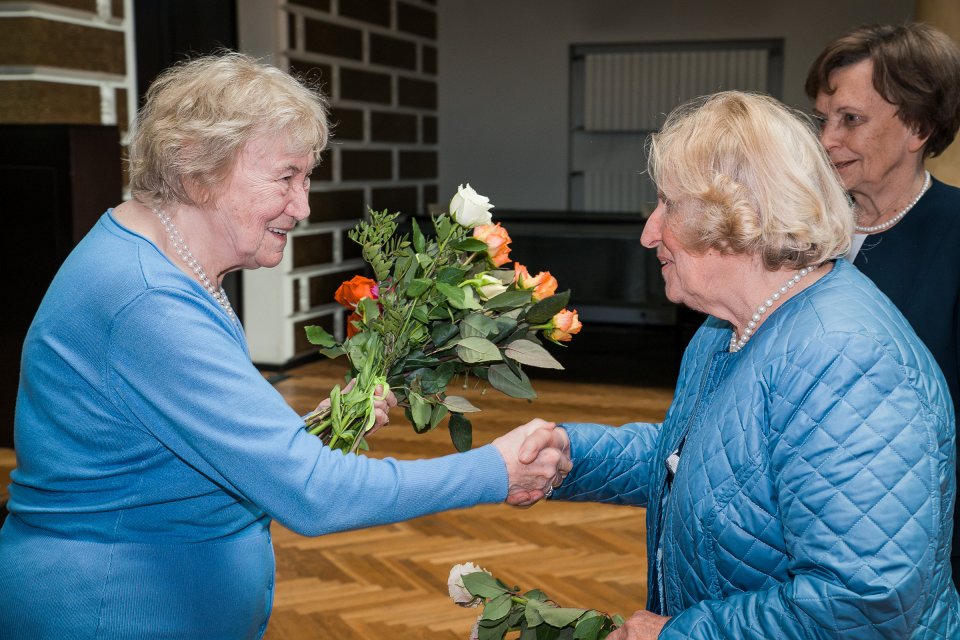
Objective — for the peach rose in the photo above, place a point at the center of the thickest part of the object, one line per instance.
(543, 284)
(564, 325)
(356, 289)
(498, 242)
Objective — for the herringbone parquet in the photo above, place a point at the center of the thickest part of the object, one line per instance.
(390, 581)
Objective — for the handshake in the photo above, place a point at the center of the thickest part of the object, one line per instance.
(537, 456)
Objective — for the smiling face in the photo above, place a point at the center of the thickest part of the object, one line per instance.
(866, 140)
(260, 202)
(697, 280)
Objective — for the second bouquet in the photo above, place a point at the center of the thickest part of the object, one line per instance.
(442, 305)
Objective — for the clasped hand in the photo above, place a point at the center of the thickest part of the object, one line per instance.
(537, 456)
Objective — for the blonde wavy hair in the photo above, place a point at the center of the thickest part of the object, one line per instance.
(200, 114)
(742, 173)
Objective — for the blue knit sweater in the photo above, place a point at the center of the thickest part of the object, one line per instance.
(152, 456)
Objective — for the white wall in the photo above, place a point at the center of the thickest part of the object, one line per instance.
(504, 69)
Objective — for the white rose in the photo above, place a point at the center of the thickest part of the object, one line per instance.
(469, 208)
(475, 630)
(491, 287)
(458, 592)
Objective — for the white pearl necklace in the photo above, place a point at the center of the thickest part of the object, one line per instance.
(895, 219)
(184, 252)
(737, 343)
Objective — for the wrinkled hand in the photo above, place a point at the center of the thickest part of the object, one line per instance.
(642, 625)
(537, 456)
(381, 406)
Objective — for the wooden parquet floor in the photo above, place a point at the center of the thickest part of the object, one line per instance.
(390, 581)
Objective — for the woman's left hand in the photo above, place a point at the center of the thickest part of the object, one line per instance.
(642, 625)
(381, 406)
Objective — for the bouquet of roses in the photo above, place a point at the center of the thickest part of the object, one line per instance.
(533, 614)
(440, 305)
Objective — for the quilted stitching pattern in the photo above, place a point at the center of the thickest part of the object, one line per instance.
(816, 483)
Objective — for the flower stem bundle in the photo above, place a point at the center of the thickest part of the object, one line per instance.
(440, 306)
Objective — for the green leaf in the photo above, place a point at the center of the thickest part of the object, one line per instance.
(543, 311)
(481, 583)
(417, 287)
(420, 410)
(451, 275)
(461, 432)
(497, 608)
(504, 380)
(455, 295)
(560, 616)
(505, 326)
(488, 630)
(441, 333)
(589, 627)
(419, 244)
(458, 404)
(526, 352)
(532, 612)
(319, 336)
(508, 300)
(370, 309)
(536, 594)
(478, 350)
(420, 315)
(618, 620)
(334, 352)
(478, 325)
(470, 244)
(439, 413)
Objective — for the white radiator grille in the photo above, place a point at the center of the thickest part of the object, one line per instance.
(633, 91)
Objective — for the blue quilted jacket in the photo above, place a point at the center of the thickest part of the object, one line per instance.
(815, 487)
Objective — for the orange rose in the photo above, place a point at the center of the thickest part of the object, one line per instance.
(356, 289)
(498, 241)
(564, 325)
(352, 329)
(543, 284)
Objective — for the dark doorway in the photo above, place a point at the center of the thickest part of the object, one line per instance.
(168, 31)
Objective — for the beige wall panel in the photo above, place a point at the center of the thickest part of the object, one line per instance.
(944, 15)
(33, 41)
(30, 102)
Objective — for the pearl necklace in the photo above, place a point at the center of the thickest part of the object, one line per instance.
(737, 344)
(895, 219)
(184, 252)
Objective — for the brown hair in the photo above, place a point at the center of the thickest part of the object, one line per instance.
(915, 67)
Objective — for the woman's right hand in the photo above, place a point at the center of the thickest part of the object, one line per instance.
(537, 456)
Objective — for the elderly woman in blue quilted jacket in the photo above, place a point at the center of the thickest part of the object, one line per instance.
(802, 482)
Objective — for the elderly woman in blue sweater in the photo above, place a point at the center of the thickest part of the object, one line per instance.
(802, 482)
(151, 454)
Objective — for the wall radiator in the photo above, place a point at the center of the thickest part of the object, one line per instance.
(633, 92)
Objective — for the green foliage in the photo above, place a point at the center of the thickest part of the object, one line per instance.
(533, 613)
(432, 320)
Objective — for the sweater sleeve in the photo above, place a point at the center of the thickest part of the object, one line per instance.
(179, 370)
(853, 447)
(610, 464)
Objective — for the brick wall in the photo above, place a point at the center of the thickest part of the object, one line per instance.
(65, 62)
(376, 60)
